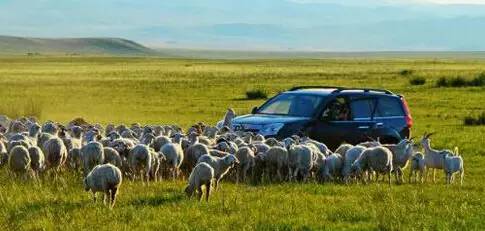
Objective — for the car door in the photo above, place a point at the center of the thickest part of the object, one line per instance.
(354, 130)
(363, 109)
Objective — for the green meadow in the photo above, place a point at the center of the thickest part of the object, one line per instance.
(184, 91)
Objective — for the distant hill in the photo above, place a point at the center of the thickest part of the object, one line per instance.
(72, 46)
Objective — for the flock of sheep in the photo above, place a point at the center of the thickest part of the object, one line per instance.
(205, 154)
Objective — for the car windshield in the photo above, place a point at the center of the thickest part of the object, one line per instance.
(292, 105)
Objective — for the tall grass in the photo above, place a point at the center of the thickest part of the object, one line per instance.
(460, 81)
(163, 91)
(28, 107)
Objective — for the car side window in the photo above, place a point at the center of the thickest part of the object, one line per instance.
(337, 110)
(389, 106)
(362, 109)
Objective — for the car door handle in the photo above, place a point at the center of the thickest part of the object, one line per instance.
(363, 127)
(379, 124)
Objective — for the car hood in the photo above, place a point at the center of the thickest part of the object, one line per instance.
(262, 119)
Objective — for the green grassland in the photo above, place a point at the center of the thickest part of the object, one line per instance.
(154, 91)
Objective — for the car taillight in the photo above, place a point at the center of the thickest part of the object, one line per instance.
(409, 119)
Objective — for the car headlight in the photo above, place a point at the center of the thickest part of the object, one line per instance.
(271, 129)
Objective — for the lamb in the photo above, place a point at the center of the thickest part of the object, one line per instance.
(401, 153)
(55, 154)
(19, 160)
(378, 159)
(300, 161)
(140, 161)
(333, 166)
(174, 157)
(245, 155)
(452, 165)
(92, 154)
(276, 159)
(417, 165)
(349, 158)
(37, 163)
(157, 160)
(105, 178)
(433, 159)
(202, 174)
(111, 156)
(221, 166)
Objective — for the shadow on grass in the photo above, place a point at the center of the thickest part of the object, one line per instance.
(244, 99)
(157, 200)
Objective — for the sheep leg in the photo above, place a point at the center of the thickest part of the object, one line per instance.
(199, 192)
(462, 173)
(114, 191)
(94, 197)
(434, 175)
(207, 191)
(106, 196)
(244, 173)
(389, 177)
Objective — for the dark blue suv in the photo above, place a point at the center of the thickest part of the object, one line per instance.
(332, 115)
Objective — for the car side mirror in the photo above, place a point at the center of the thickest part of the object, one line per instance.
(255, 110)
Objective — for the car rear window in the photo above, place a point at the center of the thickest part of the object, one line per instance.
(389, 106)
(362, 108)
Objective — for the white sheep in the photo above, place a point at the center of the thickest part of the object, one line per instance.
(417, 165)
(140, 161)
(92, 154)
(221, 166)
(300, 161)
(37, 160)
(349, 158)
(378, 159)
(343, 148)
(202, 174)
(191, 155)
(3, 154)
(276, 160)
(111, 156)
(433, 159)
(333, 167)
(104, 178)
(174, 157)
(401, 153)
(55, 154)
(452, 165)
(19, 160)
(245, 156)
(74, 158)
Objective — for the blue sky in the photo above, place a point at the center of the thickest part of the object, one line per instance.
(350, 25)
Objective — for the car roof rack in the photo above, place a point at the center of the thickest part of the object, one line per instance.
(339, 89)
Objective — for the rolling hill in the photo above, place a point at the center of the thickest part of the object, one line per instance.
(78, 46)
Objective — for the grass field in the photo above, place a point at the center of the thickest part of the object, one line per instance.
(149, 90)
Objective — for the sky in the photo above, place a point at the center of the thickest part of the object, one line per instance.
(323, 25)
